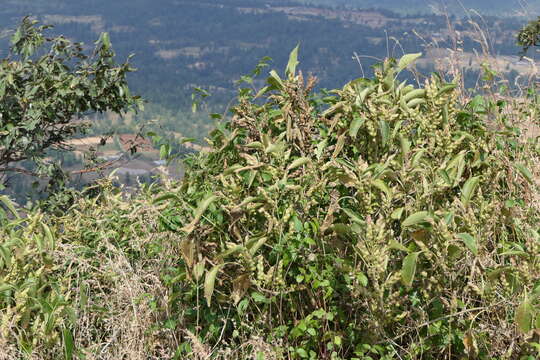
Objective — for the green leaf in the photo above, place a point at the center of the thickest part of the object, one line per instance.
(407, 59)
(524, 316)
(49, 235)
(405, 146)
(164, 151)
(275, 81)
(381, 185)
(396, 214)
(260, 298)
(303, 353)
(526, 173)
(298, 162)
(446, 88)
(68, 344)
(468, 189)
(355, 126)
(105, 40)
(209, 282)
(9, 204)
(385, 132)
(166, 196)
(293, 62)
(393, 244)
(353, 215)
(203, 205)
(415, 218)
(470, 242)
(320, 148)
(408, 268)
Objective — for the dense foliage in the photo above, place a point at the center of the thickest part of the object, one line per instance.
(377, 221)
(529, 35)
(45, 83)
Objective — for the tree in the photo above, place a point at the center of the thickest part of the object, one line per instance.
(529, 35)
(47, 85)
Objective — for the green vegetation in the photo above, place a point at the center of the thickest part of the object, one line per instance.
(530, 35)
(183, 44)
(376, 221)
(45, 84)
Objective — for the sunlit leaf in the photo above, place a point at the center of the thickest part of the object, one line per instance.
(415, 218)
(408, 268)
(470, 242)
(209, 282)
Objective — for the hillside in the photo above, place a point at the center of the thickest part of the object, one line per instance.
(179, 45)
(488, 7)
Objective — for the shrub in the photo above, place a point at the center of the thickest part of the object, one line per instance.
(381, 221)
(377, 221)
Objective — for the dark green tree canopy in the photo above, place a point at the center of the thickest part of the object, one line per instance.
(47, 85)
(529, 35)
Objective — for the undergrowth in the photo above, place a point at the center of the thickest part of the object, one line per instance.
(376, 221)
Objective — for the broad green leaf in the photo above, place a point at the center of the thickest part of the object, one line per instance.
(320, 148)
(203, 205)
(415, 218)
(468, 189)
(381, 185)
(164, 151)
(418, 157)
(414, 94)
(385, 132)
(293, 62)
(6, 287)
(396, 214)
(405, 146)
(256, 245)
(275, 80)
(524, 316)
(353, 215)
(9, 204)
(5, 256)
(49, 235)
(69, 345)
(470, 242)
(525, 172)
(415, 102)
(231, 251)
(209, 282)
(198, 269)
(355, 126)
(105, 40)
(446, 88)
(260, 298)
(407, 59)
(408, 268)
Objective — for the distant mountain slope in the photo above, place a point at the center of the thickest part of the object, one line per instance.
(488, 7)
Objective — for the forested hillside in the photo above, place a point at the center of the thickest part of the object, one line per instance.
(179, 45)
(490, 7)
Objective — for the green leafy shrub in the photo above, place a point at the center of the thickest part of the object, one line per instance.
(380, 221)
(376, 221)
